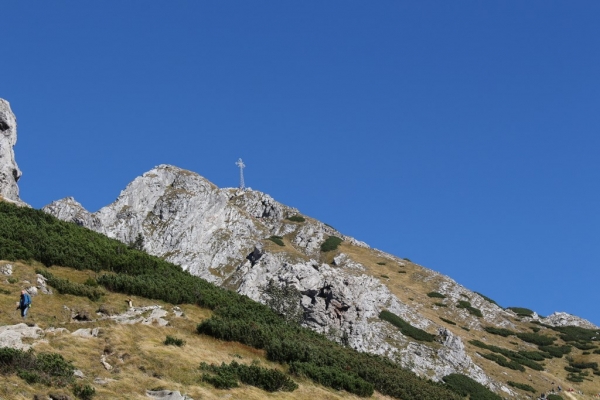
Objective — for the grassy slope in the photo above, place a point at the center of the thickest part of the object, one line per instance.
(31, 234)
(412, 288)
(147, 362)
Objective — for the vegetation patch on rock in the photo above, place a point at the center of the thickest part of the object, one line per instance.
(406, 328)
(330, 244)
(226, 376)
(522, 386)
(521, 311)
(472, 310)
(296, 218)
(278, 240)
(466, 386)
(436, 295)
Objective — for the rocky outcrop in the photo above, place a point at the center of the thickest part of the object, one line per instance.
(13, 335)
(9, 171)
(167, 395)
(219, 235)
(184, 218)
(344, 304)
(565, 319)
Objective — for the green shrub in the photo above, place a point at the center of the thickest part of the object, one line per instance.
(296, 218)
(407, 259)
(221, 379)
(499, 331)
(487, 298)
(385, 276)
(285, 300)
(47, 368)
(226, 376)
(12, 280)
(576, 334)
(436, 295)
(91, 282)
(30, 377)
(173, 341)
(522, 386)
(401, 271)
(521, 312)
(440, 304)
(535, 338)
(5, 291)
(554, 397)
(534, 355)
(597, 351)
(472, 310)
(535, 329)
(522, 358)
(381, 263)
(556, 351)
(465, 328)
(584, 365)
(330, 244)
(65, 286)
(333, 377)
(503, 362)
(583, 346)
(406, 328)
(448, 321)
(84, 391)
(465, 386)
(278, 240)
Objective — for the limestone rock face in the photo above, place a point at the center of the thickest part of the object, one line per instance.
(68, 209)
(565, 319)
(186, 219)
(9, 171)
(222, 235)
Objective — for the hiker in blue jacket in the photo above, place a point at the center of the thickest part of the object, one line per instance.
(24, 303)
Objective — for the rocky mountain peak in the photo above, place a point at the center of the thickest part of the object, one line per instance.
(9, 171)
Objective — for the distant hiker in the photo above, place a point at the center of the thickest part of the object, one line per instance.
(24, 303)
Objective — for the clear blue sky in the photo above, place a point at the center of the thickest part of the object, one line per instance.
(462, 135)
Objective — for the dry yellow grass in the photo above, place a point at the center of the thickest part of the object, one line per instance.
(412, 286)
(142, 361)
(139, 358)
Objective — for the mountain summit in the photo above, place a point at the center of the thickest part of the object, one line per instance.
(246, 241)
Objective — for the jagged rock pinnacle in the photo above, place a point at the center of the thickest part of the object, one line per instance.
(9, 171)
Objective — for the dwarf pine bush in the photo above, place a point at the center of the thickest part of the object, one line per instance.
(278, 240)
(498, 331)
(330, 244)
(466, 386)
(436, 295)
(406, 328)
(522, 386)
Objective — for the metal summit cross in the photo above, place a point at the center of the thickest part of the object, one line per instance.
(241, 164)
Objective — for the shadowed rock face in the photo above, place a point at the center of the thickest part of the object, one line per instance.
(9, 171)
